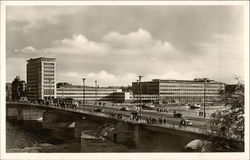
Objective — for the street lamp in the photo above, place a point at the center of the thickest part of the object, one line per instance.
(205, 80)
(83, 91)
(140, 93)
(96, 92)
(137, 98)
(49, 90)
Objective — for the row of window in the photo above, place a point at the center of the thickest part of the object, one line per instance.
(192, 86)
(49, 75)
(86, 89)
(49, 71)
(46, 67)
(186, 93)
(189, 90)
(47, 82)
(49, 79)
(93, 93)
(52, 64)
(48, 91)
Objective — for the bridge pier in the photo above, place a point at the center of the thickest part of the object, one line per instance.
(11, 113)
(128, 133)
(23, 114)
(52, 120)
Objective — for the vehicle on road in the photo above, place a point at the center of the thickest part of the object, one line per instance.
(124, 109)
(194, 106)
(98, 110)
(178, 115)
(188, 122)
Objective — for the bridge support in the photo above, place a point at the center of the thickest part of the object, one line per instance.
(23, 114)
(128, 133)
(52, 120)
(11, 113)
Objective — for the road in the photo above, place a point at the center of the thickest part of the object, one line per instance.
(197, 122)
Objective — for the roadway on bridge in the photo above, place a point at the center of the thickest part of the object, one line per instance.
(197, 122)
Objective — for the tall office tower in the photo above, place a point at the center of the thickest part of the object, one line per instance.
(41, 78)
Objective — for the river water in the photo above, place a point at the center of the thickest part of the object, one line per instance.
(32, 138)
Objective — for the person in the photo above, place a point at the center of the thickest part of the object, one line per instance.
(164, 120)
(174, 112)
(115, 137)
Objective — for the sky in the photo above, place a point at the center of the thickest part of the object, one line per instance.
(115, 44)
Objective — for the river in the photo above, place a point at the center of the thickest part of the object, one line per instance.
(32, 138)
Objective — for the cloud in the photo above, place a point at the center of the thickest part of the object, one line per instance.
(119, 58)
(36, 17)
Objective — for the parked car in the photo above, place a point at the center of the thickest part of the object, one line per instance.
(177, 115)
(188, 122)
(98, 110)
(124, 109)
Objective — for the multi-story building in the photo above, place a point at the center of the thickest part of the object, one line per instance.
(18, 89)
(178, 91)
(41, 78)
(88, 93)
(8, 91)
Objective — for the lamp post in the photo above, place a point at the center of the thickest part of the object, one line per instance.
(49, 90)
(83, 91)
(140, 93)
(204, 98)
(96, 92)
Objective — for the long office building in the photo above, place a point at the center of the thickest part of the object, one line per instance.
(41, 78)
(178, 91)
(89, 93)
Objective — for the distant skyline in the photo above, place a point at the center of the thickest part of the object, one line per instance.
(115, 44)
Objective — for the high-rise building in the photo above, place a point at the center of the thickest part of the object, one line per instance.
(41, 78)
(178, 91)
(18, 89)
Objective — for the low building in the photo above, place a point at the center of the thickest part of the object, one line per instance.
(178, 91)
(90, 94)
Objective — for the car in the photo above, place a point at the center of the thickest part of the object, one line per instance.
(134, 113)
(98, 110)
(188, 122)
(178, 115)
(124, 109)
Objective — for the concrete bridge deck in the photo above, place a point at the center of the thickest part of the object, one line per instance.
(125, 118)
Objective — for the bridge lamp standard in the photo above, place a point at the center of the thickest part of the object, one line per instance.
(96, 92)
(140, 77)
(205, 82)
(83, 91)
(49, 89)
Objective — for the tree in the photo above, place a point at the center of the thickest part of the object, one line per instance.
(227, 126)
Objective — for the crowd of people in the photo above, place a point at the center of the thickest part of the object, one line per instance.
(155, 120)
(161, 110)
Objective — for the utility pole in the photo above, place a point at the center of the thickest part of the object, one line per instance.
(96, 92)
(83, 91)
(140, 94)
(49, 90)
(205, 80)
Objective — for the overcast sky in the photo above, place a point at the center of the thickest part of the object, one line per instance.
(114, 44)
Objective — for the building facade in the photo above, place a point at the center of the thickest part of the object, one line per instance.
(18, 89)
(178, 91)
(90, 94)
(41, 78)
(8, 91)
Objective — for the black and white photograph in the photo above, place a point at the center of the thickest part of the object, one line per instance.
(141, 79)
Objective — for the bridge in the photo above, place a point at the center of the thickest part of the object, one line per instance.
(83, 119)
